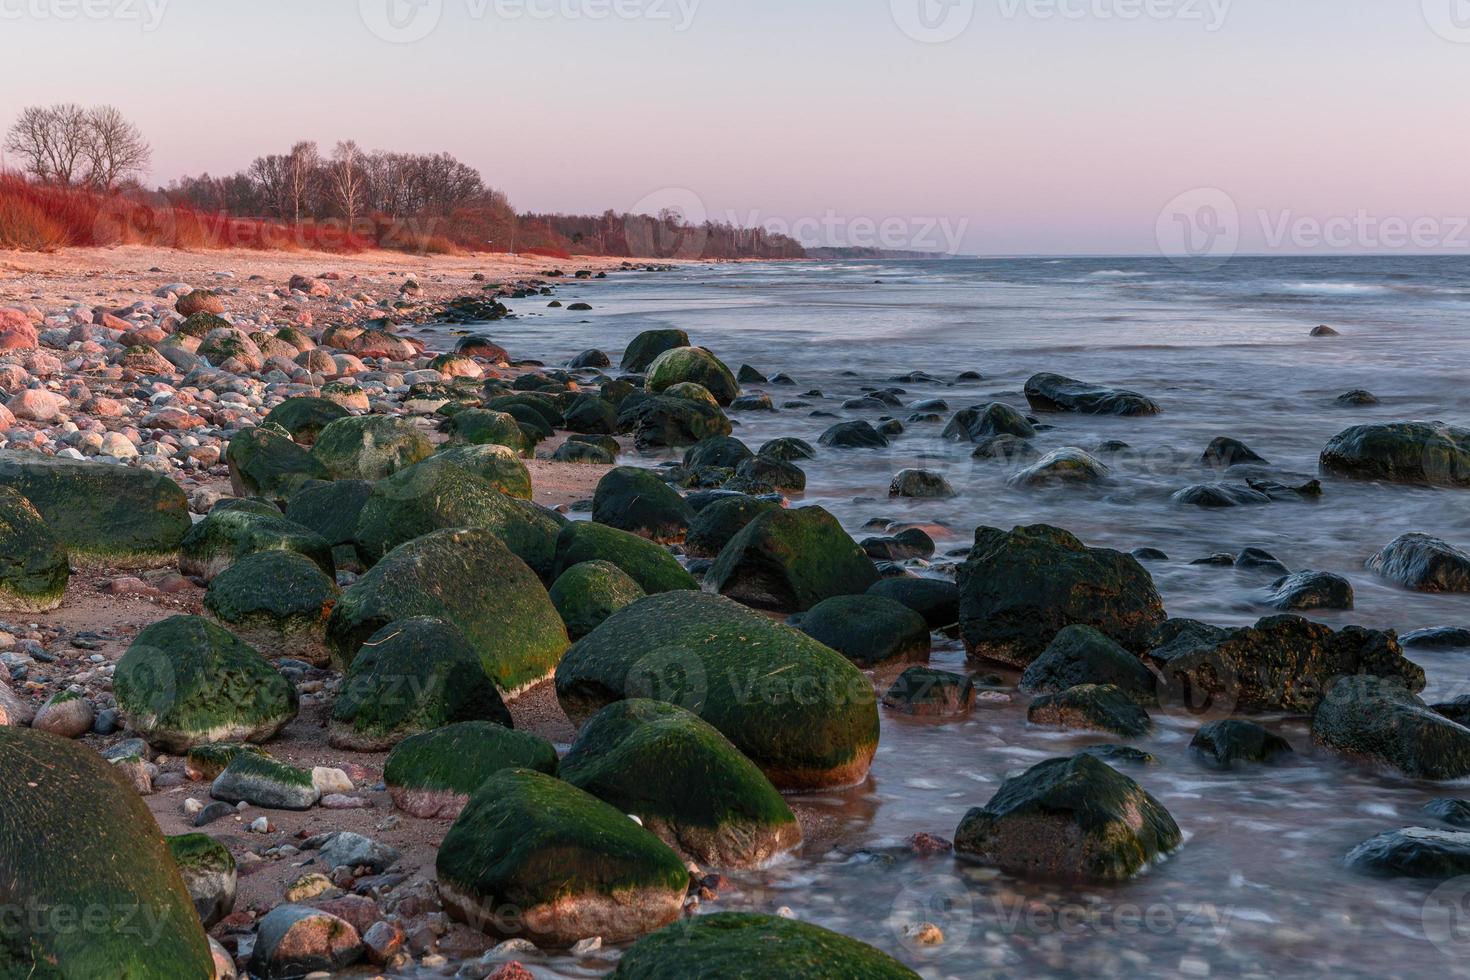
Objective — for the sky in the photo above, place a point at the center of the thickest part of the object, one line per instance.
(975, 126)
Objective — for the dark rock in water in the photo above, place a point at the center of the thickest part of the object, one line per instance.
(1054, 393)
(909, 543)
(725, 452)
(1457, 711)
(1310, 590)
(744, 944)
(1092, 707)
(775, 473)
(789, 450)
(1259, 558)
(1109, 446)
(716, 524)
(580, 308)
(1073, 819)
(294, 940)
(930, 405)
(1381, 721)
(1456, 813)
(1020, 588)
(1225, 451)
(790, 560)
(1224, 743)
(759, 402)
(1438, 638)
(867, 403)
(1357, 397)
(890, 427)
(1216, 495)
(1324, 331)
(1414, 852)
(652, 567)
(593, 358)
(868, 630)
(1120, 753)
(931, 693)
(666, 422)
(1424, 564)
(1419, 453)
(920, 483)
(936, 600)
(684, 781)
(1006, 448)
(1283, 663)
(588, 593)
(1149, 554)
(1068, 465)
(1082, 655)
(995, 419)
(633, 499)
(858, 434)
(1216, 561)
(969, 376)
(748, 375)
(739, 671)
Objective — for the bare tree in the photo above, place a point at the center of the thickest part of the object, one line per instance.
(301, 173)
(269, 174)
(348, 180)
(116, 150)
(53, 141)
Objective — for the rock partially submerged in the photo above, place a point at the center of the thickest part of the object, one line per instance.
(1382, 721)
(1424, 564)
(1414, 852)
(1054, 393)
(790, 560)
(1420, 453)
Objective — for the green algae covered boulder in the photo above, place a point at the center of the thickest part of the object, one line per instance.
(370, 447)
(664, 422)
(438, 494)
(648, 345)
(411, 677)
(752, 946)
(185, 681)
(330, 509)
(571, 866)
(790, 560)
(266, 463)
(498, 466)
(868, 630)
(118, 516)
(718, 523)
(1074, 819)
(34, 568)
(685, 781)
(633, 499)
(806, 716)
(468, 578)
(588, 593)
(304, 418)
(277, 602)
(208, 870)
(431, 776)
(76, 838)
(1419, 453)
(262, 781)
(693, 365)
(231, 533)
(483, 427)
(652, 567)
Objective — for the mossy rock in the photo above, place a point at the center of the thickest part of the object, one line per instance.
(201, 325)
(1417, 453)
(591, 414)
(277, 602)
(790, 560)
(1223, 744)
(717, 524)
(262, 781)
(411, 677)
(305, 417)
(468, 578)
(685, 781)
(773, 473)
(266, 463)
(588, 593)
(117, 516)
(77, 836)
(431, 776)
(931, 693)
(481, 427)
(661, 422)
(498, 466)
(721, 452)
(1083, 655)
(370, 447)
(806, 716)
(1072, 819)
(690, 391)
(34, 568)
(438, 494)
(868, 630)
(652, 567)
(536, 409)
(208, 761)
(693, 365)
(185, 681)
(752, 946)
(788, 449)
(571, 866)
(208, 870)
(330, 509)
(1092, 707)
(648, 345)
(1380, 721)
(935, 599)
(636, 500)
(230, 534)
(585, 453)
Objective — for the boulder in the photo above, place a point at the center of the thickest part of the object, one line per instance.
(1438, 638)
(303, 418)
(480, 427)
(411, 677)
(652, 567)
(1310, 590)
(370, 447)
(591, 358)
(77, 836)
(936, 600)
(787, 449)
(1215, 496)
(921, 484)
(750, 945)
(1092, 707)
(277, 602)
(790, 560)
(1418, 453)
(34, 568)
(717, 452)
(294, 941)
(1054, 393)
(982, 423)
(431, 776)
(636, 500)
(266, 463)
(592, 415)
(1382, 721)
(1225, 452)
(1072, 819)
(1018, 589)
(498, 466)
(777, 473)
(868, 630)
(1413, 852)
(1083, 655)
(858, 434)
(803, 714)
(665, 422)
(470, 579)
(1062, 466)
(571, 866)
(264, 782)
(185, 681)
(233, 532)
(331, 510)
(208, 870)
(648, 345)
(716, 525)
(684, 781)
(1424, 564)
(931, 693)
(586, 594)
(694, 365)
(1223, 744)
(117, 516)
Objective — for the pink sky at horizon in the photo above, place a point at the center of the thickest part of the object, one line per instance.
(1042, 127)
